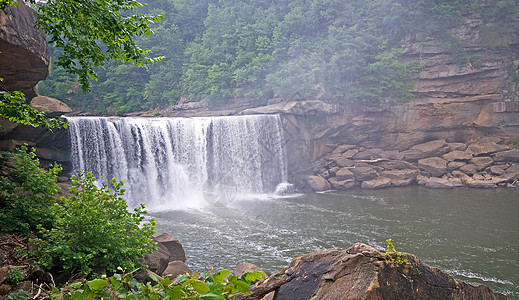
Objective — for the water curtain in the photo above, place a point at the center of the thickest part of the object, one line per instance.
(167, 162)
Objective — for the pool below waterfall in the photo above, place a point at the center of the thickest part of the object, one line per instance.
(472, 234)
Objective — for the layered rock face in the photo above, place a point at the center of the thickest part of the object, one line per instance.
(362, 272)
(24, 54)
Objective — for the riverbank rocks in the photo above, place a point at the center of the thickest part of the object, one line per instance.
(362, 272)
(483, 163)
(168, 260)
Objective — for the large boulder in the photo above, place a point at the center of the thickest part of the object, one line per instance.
(485, 148)
(52, 106)
(176, 268)
(318, 183)
(432, 148)
(376, 183)
(481, 162)
(362, 272)
(401, 177)
(173, 246)
(24, 53)
(439, 183)
(364, 173)
(435, 165)
(507, 156)
(457, 155)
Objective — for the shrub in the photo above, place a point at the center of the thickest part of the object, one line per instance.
(26, 192)
(94, 228)
(218, 286)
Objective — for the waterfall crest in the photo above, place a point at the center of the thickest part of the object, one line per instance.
(170, 162)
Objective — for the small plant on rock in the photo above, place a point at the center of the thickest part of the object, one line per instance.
(394, 257)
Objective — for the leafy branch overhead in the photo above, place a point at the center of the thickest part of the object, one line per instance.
(92, 32)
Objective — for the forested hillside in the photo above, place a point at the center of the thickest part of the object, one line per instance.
(340, 51)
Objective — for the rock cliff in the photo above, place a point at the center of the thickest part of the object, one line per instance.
(23, 50)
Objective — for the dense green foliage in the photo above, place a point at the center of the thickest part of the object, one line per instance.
(217, 286)
(336, 50)
(26, 192)
(94, 228)
(14, 108)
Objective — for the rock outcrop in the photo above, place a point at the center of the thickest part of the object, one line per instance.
(362, 272)
(24, 54)
(167, 260)
(489, 166)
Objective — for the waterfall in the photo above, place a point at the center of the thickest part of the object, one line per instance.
(172, 162)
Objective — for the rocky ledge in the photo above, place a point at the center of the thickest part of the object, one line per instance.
(481, 163)
(363, 272)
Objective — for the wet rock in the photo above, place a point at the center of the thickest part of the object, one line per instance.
(174, 247)
(377, 183)
(158, 260)
(439, 183)
(464, 177)
(364, 173)
(401, 177)
(432, 148)
(481, 162)
(468, 169)
(507, 156)
(318, 183)
(484, 184)
(176, 268)
(344, 162)
(457, 155)
(369, 154)
(457, 146)
(434, 165)
(360, 272)
(453, 165)
(341, 184)
(344, 174)
(485, 148)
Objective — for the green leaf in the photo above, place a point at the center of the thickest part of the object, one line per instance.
(97, 284)
(199, 286)
(220, 276)
(211, 296)
(243, 287)
(253, 276)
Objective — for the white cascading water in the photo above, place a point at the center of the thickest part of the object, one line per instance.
(177, 162)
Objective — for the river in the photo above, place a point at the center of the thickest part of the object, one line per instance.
(472, 234)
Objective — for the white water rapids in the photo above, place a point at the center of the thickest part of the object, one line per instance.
(177, 162)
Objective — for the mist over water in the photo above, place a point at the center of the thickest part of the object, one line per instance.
(171, 163)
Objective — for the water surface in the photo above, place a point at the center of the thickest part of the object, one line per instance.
(472, 234)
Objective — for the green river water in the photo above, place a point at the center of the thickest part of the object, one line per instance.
(472, 234)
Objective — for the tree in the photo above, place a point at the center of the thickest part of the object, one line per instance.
(90, 33)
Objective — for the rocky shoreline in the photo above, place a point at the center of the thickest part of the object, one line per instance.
(481, 163)
(359, 272)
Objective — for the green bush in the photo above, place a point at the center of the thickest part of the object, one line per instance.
(26, 192)
(218, 286)
(94, 228)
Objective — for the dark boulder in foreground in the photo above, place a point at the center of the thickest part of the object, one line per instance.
(361, 272)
